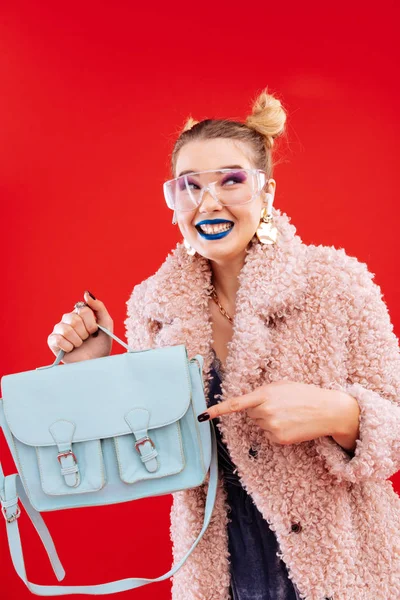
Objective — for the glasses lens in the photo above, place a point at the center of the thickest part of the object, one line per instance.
(230, 186)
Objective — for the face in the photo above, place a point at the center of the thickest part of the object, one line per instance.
(215, 154)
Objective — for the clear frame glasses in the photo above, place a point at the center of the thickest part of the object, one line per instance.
(230, 187)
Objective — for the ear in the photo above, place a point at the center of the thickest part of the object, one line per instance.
(270, 188)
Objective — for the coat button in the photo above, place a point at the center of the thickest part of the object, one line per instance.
(296, 527)
(253, 452)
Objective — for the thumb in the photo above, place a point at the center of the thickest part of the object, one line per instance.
(102, 315)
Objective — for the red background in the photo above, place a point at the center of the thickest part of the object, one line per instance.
(92, 98)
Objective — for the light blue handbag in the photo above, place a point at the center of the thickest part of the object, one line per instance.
(104, 431)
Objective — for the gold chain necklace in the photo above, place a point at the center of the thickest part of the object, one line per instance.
(214, 296)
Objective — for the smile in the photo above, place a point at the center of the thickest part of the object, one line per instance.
(214, 236)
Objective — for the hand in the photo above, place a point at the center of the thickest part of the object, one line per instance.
(288, 411)
(76, 332)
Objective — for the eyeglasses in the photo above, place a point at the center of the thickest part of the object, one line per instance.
(230, 187)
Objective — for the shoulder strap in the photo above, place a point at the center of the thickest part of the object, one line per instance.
(11, 488)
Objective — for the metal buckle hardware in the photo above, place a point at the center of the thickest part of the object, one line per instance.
(143, 441)
(13, 517)
(68, 453)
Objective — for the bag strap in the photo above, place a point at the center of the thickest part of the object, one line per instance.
(11, 488)
(61, 353)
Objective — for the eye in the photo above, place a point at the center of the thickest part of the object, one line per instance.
(235, 177)
(182, 185)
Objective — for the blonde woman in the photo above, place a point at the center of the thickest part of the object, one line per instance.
(301, 375)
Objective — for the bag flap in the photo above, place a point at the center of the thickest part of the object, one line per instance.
(96, 394)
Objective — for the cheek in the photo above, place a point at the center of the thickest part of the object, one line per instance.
(247, 212)
(185, 223)
(250, 220)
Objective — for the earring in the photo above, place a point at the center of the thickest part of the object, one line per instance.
(189, 249)
(266, 232)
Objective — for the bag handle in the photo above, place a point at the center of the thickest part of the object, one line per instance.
(11, 488)
(61, 353)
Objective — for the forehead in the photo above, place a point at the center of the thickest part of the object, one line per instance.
(212, 154)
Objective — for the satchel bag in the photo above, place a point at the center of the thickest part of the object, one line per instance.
(104, 431)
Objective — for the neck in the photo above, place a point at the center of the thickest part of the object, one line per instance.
(225, 279)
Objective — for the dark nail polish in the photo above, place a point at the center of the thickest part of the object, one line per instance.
(91, 295)
(203, 417)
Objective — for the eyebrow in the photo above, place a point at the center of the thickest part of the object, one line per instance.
(227, 167)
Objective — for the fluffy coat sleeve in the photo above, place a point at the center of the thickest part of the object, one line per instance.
(373, 379)
(140, 330)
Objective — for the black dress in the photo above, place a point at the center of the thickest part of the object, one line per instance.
(257, 573)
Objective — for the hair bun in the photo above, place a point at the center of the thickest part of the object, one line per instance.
(190, 122)
(268, 117)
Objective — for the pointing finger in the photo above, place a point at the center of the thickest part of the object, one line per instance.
(234, 404)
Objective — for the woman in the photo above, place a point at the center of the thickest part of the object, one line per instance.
(302, 376)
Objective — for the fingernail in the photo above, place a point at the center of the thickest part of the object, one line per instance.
(203, 417)
(91, 295)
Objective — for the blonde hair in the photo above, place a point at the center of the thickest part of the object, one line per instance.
(259, 131)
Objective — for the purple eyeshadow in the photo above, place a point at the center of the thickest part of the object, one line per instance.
(239, 176)
(182, 185)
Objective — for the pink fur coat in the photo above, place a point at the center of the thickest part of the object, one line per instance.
(310, 314)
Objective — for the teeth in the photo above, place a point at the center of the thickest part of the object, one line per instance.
(216, 228)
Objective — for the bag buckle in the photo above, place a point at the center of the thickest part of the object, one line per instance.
(143, 441)
(13, 517)
(68, 453)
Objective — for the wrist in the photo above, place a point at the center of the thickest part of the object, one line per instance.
(346, 422)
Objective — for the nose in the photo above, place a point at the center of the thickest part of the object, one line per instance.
(208, 203)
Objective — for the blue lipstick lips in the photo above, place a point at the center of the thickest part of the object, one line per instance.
(214, 236)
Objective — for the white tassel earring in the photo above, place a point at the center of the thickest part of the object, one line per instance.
(266, 232)
(189, 249)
